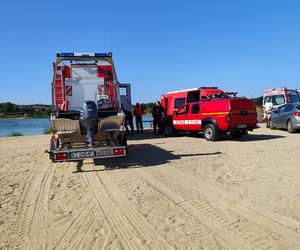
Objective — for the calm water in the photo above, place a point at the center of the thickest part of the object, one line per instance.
(31, 126)
(36, 126)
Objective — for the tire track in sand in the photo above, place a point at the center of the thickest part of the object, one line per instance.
(206, 218)
(31, 223)
(132, 229)
(224, 200)
(229, 198)
(78, 229)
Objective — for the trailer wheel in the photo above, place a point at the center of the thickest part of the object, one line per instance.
(211, 132)
(168, 130)
(237, 134)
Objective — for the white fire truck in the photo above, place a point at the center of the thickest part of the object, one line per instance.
(280, 96)
(87, 101)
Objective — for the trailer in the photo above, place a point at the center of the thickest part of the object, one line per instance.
(87, 115)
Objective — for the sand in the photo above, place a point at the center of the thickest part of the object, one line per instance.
(169, 193)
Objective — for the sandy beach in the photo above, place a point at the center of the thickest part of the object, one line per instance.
(169, 193)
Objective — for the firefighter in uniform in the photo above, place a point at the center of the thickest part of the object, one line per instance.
(157, 114)
(138, 113)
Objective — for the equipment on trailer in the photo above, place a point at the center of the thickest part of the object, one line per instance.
(87, 107)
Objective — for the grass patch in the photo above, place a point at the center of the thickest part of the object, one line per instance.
(16, 134)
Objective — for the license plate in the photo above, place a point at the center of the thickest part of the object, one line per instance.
(242, 126)
(103, 152)
(82, 154)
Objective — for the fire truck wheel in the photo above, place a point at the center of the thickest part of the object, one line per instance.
(210, 132)
(168, 130)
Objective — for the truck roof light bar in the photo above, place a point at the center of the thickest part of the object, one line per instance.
(67, 54)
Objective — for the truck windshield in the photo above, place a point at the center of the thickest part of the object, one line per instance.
(275, 99)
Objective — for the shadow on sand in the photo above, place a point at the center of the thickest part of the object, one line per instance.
(148, 134)
(251, 137)
(246, 138)
(141, 155)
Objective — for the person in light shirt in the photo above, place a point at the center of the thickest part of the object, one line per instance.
(268, 111)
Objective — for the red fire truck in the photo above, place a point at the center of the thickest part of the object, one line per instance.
(210, 110)
(87, 108)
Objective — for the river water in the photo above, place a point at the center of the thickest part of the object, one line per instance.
(36, 126)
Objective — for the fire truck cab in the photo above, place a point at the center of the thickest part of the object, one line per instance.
(210, 110)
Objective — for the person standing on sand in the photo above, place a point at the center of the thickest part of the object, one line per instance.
(138, 113)
(157, 114)
(128, 121)
(268, 112)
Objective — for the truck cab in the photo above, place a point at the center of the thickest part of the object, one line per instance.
(280, 96)
(208, 110)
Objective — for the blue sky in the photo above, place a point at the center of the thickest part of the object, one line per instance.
(158, 46)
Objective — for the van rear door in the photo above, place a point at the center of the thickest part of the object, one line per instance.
(83, 83)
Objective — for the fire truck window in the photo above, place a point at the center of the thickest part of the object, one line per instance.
(123, 91)
(268, 99)
(195, 109)
(183, 110)
(279, 100)
(179, 102)
(275, 99)
(193, 96)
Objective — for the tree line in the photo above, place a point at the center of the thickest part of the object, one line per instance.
(8, 109)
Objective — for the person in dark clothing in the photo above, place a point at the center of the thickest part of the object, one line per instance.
(128, 121)
(157, 114)
(138, 113)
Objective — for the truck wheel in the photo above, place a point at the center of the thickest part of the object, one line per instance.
(168, 130)
(290, 127)
(237, 134)
(210, 132)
